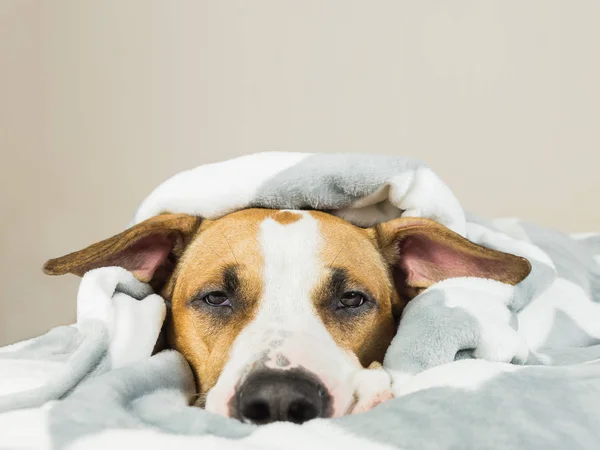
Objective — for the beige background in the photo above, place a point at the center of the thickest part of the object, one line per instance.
(100, 101)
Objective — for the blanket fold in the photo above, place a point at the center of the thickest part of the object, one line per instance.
(475, 363)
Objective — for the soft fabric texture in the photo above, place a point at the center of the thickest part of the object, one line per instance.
(475, 363)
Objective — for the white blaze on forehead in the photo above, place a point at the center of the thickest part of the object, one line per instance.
(287, 323)
(292, 271)
(291, 266)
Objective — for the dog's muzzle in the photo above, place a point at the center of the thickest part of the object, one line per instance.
(269, 395)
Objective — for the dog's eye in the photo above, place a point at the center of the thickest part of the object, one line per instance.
(217, 299)
(352, 299)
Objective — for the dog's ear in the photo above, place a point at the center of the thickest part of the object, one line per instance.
(422, 252)
(149, 249)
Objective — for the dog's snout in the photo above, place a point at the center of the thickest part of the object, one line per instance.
(281, 396)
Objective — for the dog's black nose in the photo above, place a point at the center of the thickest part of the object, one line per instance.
(281, 396)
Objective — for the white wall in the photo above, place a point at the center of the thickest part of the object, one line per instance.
(100, 101)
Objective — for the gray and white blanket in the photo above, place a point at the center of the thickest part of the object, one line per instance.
(475, 363)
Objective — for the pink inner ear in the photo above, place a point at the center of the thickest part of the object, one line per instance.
(147, 255)
(425, 261)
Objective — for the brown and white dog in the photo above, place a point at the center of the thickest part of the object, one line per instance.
(287, 315)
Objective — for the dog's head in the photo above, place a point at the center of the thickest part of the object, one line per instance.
(275, 310)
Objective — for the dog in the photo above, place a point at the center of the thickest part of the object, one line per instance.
(286, 315)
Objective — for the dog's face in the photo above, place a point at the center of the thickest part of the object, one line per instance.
(277, 311)
(263, 291)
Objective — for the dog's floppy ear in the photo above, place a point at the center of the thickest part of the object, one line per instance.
(422, 252)
(149, 249)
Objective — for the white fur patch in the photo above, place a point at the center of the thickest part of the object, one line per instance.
(291, 269)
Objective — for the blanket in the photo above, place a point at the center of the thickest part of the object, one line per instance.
(475, 363)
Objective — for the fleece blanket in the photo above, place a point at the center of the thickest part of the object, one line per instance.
(475, 363)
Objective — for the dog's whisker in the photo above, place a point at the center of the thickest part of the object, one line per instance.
(214, 251)
(330, 265)
(198, 400)
(230, 248)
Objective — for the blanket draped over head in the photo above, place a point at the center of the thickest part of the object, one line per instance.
(508, 367)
